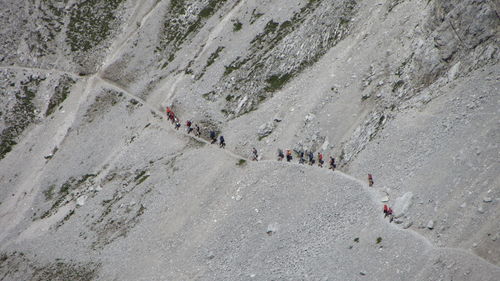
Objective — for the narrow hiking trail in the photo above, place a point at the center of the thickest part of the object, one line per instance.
(92, 81)
(375, 194)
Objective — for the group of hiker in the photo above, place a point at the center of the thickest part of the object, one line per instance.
(177, 123)
(281, 155)
(310, 156)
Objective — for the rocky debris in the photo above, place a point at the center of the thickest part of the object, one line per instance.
(265, 129)
(272, 228)
(487, 199)
(80, 201)
(430, 224)
(384, 199)
(309, 118)
(402, 204)
(480, 209)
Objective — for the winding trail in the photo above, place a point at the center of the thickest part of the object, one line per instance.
(374, 194)
(95, 79)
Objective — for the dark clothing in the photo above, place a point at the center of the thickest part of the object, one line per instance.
(222, 143)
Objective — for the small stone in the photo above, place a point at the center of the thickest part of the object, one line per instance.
(487, 199)
(385, 199)
(474, 245)
(430, 224)
(463, 205)
(81, 200)
(238, 197)
(480, 210)
(362, 273)
(210, 256)
(309, 117)
(265, 129)
(271, 228)
(98, 188)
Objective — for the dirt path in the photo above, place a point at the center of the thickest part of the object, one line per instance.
(374, 193)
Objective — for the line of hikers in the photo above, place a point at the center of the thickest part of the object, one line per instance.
(310, 156)
(281, 155)
(189, 128)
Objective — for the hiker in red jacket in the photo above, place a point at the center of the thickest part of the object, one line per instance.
(370, 180)
(388, 212)
(320, 159)
(188, 125)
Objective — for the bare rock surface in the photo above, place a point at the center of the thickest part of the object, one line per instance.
(96, 184)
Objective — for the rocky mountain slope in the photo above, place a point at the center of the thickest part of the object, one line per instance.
(96, 184)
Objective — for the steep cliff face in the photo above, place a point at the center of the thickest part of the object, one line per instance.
(96, 184)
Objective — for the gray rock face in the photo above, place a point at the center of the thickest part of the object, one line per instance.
(402, 204)
(265, 129)
(91, 171)
(430, 224)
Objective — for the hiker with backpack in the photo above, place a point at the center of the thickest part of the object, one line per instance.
(311, 158)
(255, 156)
(320, 160)
(370, 180)
(188, 125)
(213, 137)
(222, 142)
(301, 157)
(197, 131)
(288, 155)
(332, 164)
(388, 213)
(280, 154)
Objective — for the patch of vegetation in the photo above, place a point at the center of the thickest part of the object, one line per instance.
(237, 25)
(90, 23)
(18, 266)
(142, 179)
(61, 92)
(241, 162)
(23, 114)
(64, 190)
(214, 56)
(276, 82)
(177, 28)
(255, 15)
(49, 193)
(234, 65)
(229, 98)
(102, 103)
(397, 85)
(379, 240)
(210, 96)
